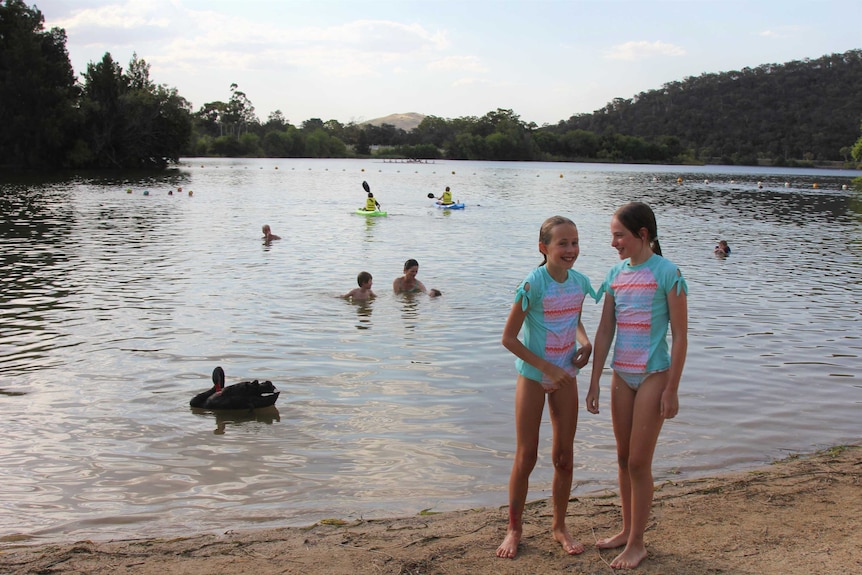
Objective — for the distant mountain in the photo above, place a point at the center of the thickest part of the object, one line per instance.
(406, 122)
(808, 109)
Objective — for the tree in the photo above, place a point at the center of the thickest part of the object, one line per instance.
(276, 121)
(104, 120)
(129, 121)
(37, 90)
(239, 113)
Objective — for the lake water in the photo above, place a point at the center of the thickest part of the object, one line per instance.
(116, 307)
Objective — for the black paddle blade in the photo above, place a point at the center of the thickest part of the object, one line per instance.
(430, 195)
(365, 186)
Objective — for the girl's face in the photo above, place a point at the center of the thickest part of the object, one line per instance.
(624, 241)
(410, 273)
(563, 249)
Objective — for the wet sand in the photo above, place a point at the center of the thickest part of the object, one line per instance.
(796, 517)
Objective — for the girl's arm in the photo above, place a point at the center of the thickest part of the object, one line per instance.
(677, 305)
(514, 322)
(582, 356)
(601, 347)
(421, 286)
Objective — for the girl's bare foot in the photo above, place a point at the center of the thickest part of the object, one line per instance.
(570, 545)
(629, 558)
(509, 547)
(617, 540)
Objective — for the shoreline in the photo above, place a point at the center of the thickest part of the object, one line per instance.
(796, 516)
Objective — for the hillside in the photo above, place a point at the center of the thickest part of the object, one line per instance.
(406, 122)
(800, 110)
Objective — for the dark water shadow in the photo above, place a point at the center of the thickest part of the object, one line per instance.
(236, 417)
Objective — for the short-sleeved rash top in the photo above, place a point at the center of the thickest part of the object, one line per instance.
(642, 317)
(551, 326)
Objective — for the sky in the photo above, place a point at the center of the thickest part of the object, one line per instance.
(357, 60)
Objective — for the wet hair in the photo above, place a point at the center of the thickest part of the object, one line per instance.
(410, 263)
(370, 195)
(546, 232)
(362, 278)
(635, 216)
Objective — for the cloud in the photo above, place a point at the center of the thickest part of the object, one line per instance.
(782, 32)
(635, 51)
(170, 36)
(118, 24)
(459, 64)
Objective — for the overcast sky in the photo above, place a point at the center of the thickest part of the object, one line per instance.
(355, 60)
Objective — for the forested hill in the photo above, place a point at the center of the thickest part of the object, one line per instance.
(800, 110)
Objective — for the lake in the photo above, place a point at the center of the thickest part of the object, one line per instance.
(117, 306)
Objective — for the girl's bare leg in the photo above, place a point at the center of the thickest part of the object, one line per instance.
(529, 404)
(622, 408)
(646, 425)
(563, 407)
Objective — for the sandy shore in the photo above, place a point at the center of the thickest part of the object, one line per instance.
(798, 516)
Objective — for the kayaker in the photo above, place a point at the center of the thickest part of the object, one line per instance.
(446, 198)
(371, 205)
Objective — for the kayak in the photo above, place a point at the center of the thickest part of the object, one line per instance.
(363, 212)
(453, 206)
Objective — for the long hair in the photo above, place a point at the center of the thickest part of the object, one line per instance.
(546, 232)
(635, 216)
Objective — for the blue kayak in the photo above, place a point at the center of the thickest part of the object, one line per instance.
(452, 206)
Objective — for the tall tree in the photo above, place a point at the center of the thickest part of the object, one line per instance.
(131, 122)
(104, 118)
(239, 114)
(37, 89)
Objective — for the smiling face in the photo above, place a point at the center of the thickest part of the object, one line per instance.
(410, 273)
(563, 248)
(627, 244)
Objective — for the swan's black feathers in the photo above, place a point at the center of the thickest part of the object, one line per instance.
(243, 395)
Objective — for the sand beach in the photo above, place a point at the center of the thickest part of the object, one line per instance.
(797, 516)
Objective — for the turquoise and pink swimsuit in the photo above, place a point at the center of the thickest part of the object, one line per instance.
(640, 298)
(551, 326)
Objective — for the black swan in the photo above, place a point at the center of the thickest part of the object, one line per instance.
(244, 395)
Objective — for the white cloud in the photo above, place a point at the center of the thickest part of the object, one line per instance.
(169, 36)
(634, 51)
(458, 63)
(782, 32)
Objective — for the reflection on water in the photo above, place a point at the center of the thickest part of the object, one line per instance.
(115, 307)
(228, 418)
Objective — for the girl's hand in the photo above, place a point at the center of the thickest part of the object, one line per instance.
(558, 377)
(593, 399)
(582, 356)
(669, 404)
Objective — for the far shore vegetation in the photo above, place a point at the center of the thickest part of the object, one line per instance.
(802, 113)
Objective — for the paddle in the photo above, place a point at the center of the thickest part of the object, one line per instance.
(431, 195)
(367, 188)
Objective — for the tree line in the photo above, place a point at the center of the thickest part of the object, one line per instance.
(112, 119)
(116, 118)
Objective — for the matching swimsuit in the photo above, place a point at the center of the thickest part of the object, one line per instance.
(551, 326)
(640, 297)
